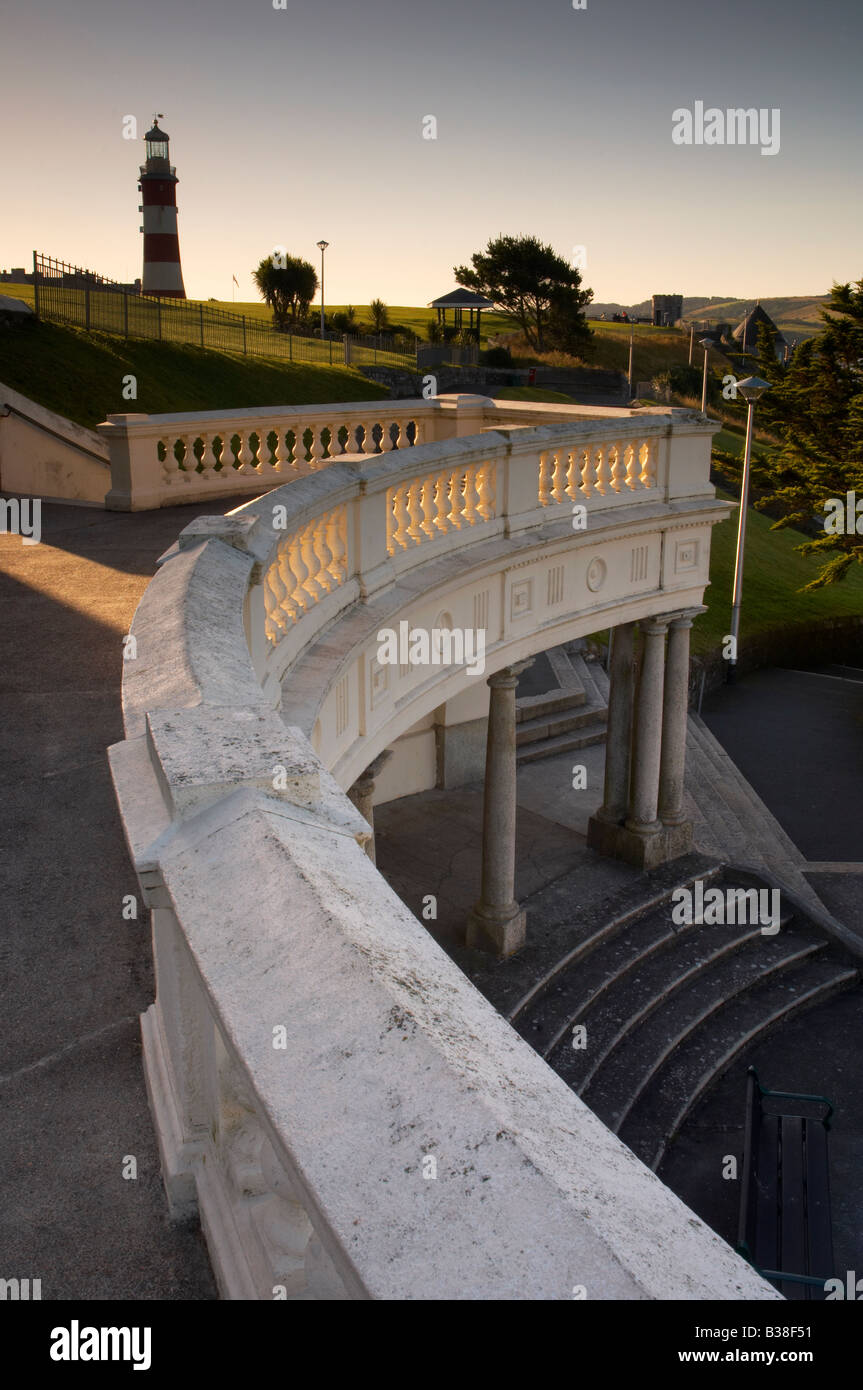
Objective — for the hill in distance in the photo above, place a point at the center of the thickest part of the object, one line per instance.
(797, 316)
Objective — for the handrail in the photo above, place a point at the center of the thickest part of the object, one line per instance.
(55, 434)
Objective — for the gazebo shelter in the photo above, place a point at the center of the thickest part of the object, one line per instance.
(458, 301)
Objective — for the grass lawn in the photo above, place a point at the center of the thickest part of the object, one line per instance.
(24, 292)
(80, 375)
(531, 393)
(773, 574)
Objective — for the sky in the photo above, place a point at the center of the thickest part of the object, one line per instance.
(293, 125)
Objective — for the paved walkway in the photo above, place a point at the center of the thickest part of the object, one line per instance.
(74, 976)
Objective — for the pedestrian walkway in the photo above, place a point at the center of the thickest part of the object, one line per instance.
(76, 973)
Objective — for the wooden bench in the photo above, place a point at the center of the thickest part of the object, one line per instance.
(785, 1229)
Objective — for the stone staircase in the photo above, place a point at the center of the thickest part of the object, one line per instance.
(558, 706)
(668, 1007)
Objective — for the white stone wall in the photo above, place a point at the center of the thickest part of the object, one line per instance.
(311, 1047)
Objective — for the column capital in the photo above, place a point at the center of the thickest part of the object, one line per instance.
(655, 626)
(680, 617)
(507, 677)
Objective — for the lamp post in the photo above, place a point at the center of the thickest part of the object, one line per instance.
(752, 388)
(707, 344)
(631, 348)
(691, 342)
(322, 246)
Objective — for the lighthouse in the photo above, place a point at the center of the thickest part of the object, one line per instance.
(163, 274)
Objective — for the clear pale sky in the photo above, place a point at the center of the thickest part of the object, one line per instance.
(288, 126)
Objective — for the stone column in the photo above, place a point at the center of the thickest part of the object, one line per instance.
(618, 741)
(362, 795)
(674, 715)
(497, 923)
(643, 820)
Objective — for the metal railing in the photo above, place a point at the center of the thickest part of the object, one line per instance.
(65, 293)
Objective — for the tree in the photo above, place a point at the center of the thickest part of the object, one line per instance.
(536, 287)
(380, 316)
(815, 405)
(345, 320)
(288, 289)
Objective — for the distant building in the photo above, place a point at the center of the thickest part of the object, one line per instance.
(667, 309)
(746, 332)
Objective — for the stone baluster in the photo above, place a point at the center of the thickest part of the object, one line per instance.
(368, 437)
(402, 519)
(428, 508)
(312, 583)
(323, 555)
(469, 507)
(299, 593)
(245, 457)
(441, 499)
(226, 456)
(618, 471)
(544, 480)
(337, 541)
(587, 471)
(485, 486)
(190, 458)
(558, 481)
(599, 469)
(414, 510)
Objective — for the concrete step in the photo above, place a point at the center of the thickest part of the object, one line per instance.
(666, 1006)
(565, 719)
(562, 743)
(550, 724)
(633, 995)
(538, 706)
(617, 917)
(592, 678)
(664, 1105)
(687, 1005)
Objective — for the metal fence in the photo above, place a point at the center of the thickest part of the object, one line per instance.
(68, 294)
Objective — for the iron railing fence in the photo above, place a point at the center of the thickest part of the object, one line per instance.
(66, 293)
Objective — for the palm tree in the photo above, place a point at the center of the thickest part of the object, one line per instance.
(288, 289)
(380, 316)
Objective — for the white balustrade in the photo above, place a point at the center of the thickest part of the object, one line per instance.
(296, 996)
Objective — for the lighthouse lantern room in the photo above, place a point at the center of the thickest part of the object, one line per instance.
(163, 273)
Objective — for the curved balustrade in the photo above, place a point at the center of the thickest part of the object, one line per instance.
(165, 460)
(311, 1048)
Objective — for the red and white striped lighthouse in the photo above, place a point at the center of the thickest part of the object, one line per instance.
(163, 274)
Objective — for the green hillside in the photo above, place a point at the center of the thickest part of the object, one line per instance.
(798, 316)
(80, 375)
(774, 573)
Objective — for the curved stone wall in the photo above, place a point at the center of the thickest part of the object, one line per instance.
(347, 1114)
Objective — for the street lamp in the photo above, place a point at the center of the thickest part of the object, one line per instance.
(752, 388)
(631, 348)
(322, 246)
(707, 344)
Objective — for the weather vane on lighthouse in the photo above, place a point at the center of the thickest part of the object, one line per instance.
(163, 274)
